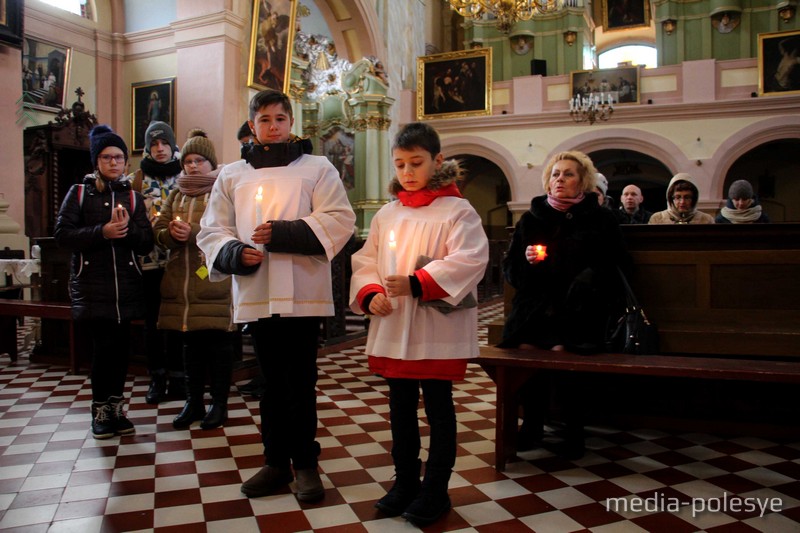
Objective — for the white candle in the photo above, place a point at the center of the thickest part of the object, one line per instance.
(392, 254)
(392, 262)
(259, 212)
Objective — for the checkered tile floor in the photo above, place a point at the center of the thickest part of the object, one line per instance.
(55, 477)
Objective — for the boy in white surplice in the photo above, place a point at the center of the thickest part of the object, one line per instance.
(274, 221)
(417, 275)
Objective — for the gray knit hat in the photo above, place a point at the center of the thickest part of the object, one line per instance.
(200, 144)
(159, 130)
(601, 183)
(740, 190)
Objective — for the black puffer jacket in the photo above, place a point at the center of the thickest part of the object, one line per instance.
(105, 278)
(566, 298)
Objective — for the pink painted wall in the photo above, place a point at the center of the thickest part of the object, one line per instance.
(12, 175)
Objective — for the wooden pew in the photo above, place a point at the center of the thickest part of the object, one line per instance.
(726, 300)
(11, 309)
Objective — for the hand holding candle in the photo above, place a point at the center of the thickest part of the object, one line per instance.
(536, 253)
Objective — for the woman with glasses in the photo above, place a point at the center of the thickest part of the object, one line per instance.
(681, 208)
(104, 224)
(193, 308)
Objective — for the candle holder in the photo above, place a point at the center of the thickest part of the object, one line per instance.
(591, 108)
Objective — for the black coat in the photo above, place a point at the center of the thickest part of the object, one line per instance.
(105, 277)
(567, 298)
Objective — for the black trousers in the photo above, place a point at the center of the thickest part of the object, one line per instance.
(111, 350)
(439, 408)
(208, 351)
(286, 349)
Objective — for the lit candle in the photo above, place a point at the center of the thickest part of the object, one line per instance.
(177, 219)
(541, 251)
(392, 262)
(259, 214)
(158, 213)
(119, 206)
(392, 254)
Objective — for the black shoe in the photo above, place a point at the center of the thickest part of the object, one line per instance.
(427, 508)
(399, 497)
(122, 426)
(103, 425)
(309, 485)
(191, 412)
(266, 481)
(157, 390)
(216, 416)
(255, 384)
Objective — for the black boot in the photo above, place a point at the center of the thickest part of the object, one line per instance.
(432, 501)
(103, 426)
(176, 386)
(222, 369)
(216, 416)
(158, 387)
(193, 409)
(405, 489)
(122, 426)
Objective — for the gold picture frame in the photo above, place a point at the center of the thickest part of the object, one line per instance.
(45, 74)
(778, 71)
(455, 84)
(271, 43)
(625, 14)
(150, 101)
(620, 85)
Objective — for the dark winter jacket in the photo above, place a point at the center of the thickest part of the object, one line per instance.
(640, 216)
(105, 277)
(566, 298)
(752, 215)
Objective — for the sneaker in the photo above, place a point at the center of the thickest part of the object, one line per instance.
(103, 426)
(309, 485)
(268, 480)
(123, 426)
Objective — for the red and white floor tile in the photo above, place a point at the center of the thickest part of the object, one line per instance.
(54, 477)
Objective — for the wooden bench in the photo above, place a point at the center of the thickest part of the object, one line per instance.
(10, 310)
(725, 299)
(511, 368)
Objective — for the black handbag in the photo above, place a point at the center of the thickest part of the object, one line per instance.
(632, 333)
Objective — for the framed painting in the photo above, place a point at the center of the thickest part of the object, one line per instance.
(338, 146)
(11, 22)
(616, 85)
(778, 63)
(271, 40)
(625, 14)
(455, 84)
(151, 101)
(45, 74)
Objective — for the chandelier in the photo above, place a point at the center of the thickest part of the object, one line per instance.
(507, 12)
(591, 107)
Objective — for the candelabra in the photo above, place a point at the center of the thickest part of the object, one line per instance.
(507, 12)
(591, 107)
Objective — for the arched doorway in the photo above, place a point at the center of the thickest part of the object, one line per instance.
(772, 168)
(625, 167)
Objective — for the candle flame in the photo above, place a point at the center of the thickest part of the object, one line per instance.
(258, 194)
(392, 241)
(119, 206)
(178, 219)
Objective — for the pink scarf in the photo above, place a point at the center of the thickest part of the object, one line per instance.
(562, 204)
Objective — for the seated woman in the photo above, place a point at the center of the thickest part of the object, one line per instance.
(742, 206)
(563, 262)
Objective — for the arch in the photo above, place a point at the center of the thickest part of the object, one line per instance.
(752, 136)
(353, 23)
(645, 142)
(489, 150)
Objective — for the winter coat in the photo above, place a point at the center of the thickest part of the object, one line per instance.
(640, 216)
(751, 215)
(189, 300)
(567, 298)
(105, 277)
(672, 216)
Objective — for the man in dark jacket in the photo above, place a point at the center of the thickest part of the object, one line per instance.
(631, 210)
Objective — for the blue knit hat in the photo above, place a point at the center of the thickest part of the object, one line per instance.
(159, 130)
(100, 138)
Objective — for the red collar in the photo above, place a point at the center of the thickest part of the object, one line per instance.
(424, 197)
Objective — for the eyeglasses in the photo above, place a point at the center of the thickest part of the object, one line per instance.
(106, 158)
(196, 161)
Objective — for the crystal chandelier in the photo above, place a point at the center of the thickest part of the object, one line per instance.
(507, 12)
(591, 107)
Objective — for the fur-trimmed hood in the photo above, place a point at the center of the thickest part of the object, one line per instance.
(449, 172)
